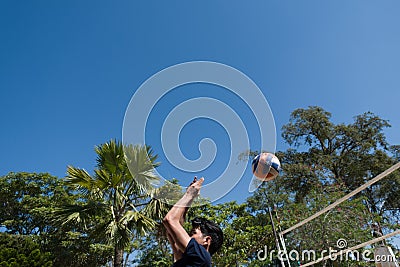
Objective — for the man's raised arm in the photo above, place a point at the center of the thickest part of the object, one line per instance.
(173, 221)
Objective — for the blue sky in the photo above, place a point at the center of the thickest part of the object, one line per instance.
(68, 69)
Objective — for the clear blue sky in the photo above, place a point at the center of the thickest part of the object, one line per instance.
(69, 68)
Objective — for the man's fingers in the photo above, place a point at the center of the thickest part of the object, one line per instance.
(194, 180)
(200, 181)
(197, 182)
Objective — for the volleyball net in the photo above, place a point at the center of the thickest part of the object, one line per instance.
(336, 203)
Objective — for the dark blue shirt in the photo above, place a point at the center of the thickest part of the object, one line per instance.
(195, 255)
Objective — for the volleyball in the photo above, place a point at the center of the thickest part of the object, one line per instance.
(266, 166)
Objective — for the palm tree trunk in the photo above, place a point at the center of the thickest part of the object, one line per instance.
(118, 257)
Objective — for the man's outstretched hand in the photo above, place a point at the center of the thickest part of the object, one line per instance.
(194, 188)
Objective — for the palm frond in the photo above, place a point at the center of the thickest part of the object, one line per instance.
(102, 179)
(119, 234)
(79, 177)
(83, 214)
(156, 209)
(110, 157)
(85, 183)
(141, 164)
(134, 219)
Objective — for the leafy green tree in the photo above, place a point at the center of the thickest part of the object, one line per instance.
(22, 251)
(78, 247)
(349, 221)
(154, 250)
(114, 196)
(326, 161)
(245, 233)
(29, 200)
(346, 154)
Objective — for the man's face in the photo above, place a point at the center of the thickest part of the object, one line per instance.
(198, 236)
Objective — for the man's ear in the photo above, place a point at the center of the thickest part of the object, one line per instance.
(207, 240)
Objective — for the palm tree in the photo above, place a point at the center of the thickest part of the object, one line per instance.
(115, 195)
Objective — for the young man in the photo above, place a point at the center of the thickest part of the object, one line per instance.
(205, 238)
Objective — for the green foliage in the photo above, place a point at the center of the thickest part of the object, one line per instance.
(325, 162)
(112, 206)
(29, 202)
(329, 160)
(154, 249)
(73, 248)
(341, 154)
(349, 221)
(22, 251)
(244, 233)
